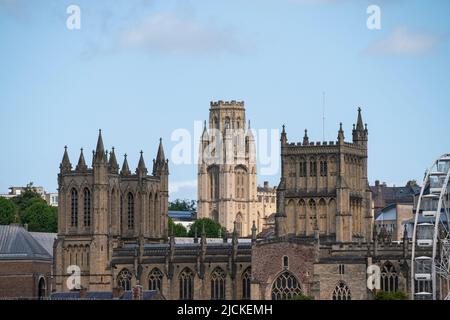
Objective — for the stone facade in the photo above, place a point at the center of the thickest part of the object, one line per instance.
(100, 208)
(227, 184)
(324, 186)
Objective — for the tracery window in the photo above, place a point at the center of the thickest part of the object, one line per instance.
(342, 292)
(389, 278)
(124, 279)
(186, 279)
(218, 284)
(312, 168)
(155, 280)
(246, 284)
(285, 286)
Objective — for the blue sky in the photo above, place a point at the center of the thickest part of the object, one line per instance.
(139, 69)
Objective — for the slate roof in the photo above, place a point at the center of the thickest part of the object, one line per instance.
(181, 215)
(17, 243)
(46, 240)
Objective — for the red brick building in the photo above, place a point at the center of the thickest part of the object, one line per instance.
(25, 263)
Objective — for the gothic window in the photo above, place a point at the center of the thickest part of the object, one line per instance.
(124, 280)
(218, 284)
(186, 284)
(246, 284)
(74, 208)
(227, 123)
(155, 280)
(239, 224)
(312, 168)
(121, 212)
(285, 286)
(342, 292)
(214, 182)
(216, 122)
(130, 211)
(240, 181)
(215, 215)
(323, 168)
(302, 169)
(389, 278)
(87, 207)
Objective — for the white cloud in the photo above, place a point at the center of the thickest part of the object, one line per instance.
(404, 42)
(169, 33)
(176, 186)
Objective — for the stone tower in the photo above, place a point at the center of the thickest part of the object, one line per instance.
(101, 209)
(324, 187)
(227, 190)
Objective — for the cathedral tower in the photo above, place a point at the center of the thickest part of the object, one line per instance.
(227, 190)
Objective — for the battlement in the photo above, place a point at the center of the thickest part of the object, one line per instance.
(232, 103)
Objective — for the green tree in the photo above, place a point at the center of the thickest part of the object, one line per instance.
(177, 229)
(384, 295)
(27, 197)
(212, 228)
(182, 205)
(7, 211)
(40, 217)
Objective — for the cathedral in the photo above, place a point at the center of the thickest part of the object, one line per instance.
(113, 224)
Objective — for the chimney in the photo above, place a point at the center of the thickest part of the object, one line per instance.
(266, 184)
(377, 183)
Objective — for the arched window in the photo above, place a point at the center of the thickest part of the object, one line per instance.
(342, 292)
(213, 173)
(155, 280)
(186, 284)
(239, 224)
(87, 207)
(130, 211)
(313, 168)
(124, 280)
(41, 289)
(246, 284)
(285, 286)
(389, 278)
(74, 208)
(218, 284)
(227, 123)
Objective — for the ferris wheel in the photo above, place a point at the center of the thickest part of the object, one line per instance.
(430, 258)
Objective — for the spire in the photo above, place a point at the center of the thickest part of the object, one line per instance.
(141, 169)
(306, 138)
(160, 163)
(113, 165)
(360, 132)
(81, 166)
(65, 163)
(341, 136)
(205, 136)
(125, 169)
(100, 150)
(283, 136)
(160, 156)
(254, 231)
(250, 131)
(359, 124)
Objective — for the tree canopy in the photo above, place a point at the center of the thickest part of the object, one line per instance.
(212, 228)
(182, 205)
(177, 229)
(29, 208)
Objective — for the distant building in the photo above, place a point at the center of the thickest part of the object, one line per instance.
(25, 263)
(390, 220)
(185, 218)
(51, 198)
(266, 205)
(393, 206)
(383, 195)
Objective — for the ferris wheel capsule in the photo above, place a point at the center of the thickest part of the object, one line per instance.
(430, 257)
